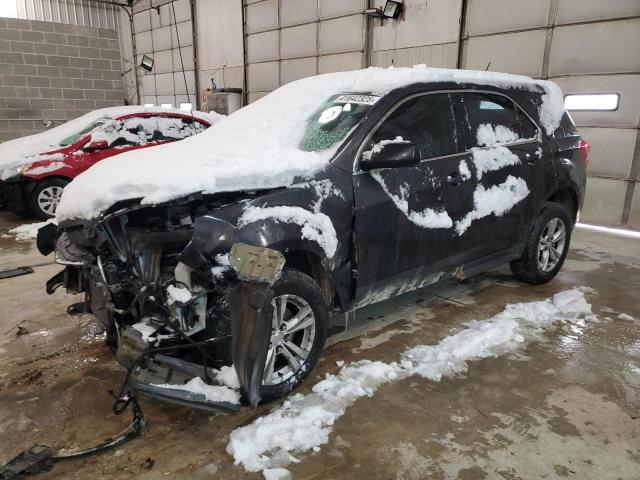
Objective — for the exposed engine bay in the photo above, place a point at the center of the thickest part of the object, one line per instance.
(173, 309)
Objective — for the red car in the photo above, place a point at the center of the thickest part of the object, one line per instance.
(34, 170)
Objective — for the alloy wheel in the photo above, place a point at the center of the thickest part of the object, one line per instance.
(49, 198)
(293, 331)
(551, 244)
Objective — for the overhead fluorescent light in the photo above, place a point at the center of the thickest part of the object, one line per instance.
(166, 105)
(592, 101)
(148, 105)
(186, 106)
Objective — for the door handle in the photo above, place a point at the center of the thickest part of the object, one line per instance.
(454, 179)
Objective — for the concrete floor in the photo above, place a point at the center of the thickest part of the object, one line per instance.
(565, 407)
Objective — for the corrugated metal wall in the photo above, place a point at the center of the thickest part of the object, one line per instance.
(74, 12)
(164, 37)
(289, 39)
(585, 47)
(427, 33)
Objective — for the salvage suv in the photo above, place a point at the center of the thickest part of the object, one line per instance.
(34, 170)
(331, 193)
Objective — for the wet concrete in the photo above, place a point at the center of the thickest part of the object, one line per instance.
(568, 406)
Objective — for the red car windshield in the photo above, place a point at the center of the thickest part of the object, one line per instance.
(92, 127)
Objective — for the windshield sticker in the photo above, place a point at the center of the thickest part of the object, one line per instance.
(360, 99)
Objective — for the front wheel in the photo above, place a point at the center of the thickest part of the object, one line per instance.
(298, 331)
(44, 199)
(546, 247)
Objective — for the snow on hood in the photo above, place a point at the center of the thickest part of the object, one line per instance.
(256, 147)
(15, 153)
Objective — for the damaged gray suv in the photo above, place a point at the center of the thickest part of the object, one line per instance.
(215, 263)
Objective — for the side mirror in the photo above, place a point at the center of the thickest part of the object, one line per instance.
(96, 146)
(402, 154)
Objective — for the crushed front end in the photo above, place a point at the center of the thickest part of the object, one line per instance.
(163, 295)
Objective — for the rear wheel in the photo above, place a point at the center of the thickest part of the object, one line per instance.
(546, 247)
(44, 199)
(298, 332)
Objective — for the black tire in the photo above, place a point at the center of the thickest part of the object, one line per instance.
(528, 267)
(34, 201)
(294, 282)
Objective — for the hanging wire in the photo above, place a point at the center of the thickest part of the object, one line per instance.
(184, 75)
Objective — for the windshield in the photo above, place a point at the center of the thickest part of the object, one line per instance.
(92, 127)
(331, 123)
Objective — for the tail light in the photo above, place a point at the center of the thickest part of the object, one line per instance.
(585, 148)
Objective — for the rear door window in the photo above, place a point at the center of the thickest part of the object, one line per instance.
(494, 119)
(428, 121)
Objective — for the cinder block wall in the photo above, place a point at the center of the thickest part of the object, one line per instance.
(54, 72)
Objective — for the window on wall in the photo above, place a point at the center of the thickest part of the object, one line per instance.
(427, 121)
(494, 119)
(592, 101)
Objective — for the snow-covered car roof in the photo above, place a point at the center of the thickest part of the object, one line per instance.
(257, 146)
(15, 153)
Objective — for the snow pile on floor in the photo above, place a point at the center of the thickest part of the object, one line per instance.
(29, 231)
(492, 159)
(303, 422)
(257, 146)
(496, 200)
(316, 227)
(20, 151)
(428, 218)
(213, 393)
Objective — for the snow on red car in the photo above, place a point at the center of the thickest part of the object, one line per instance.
(34, 170)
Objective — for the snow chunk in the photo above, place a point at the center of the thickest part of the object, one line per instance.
(50, 167)
(551, 109)
(178, 294)
(324, 189)
(496, 200)
(29, 231)
(20, 151)
(315, 226)
(228, 376)
(626, 316)
(491, 159)
(463, 168)
(277, 474)
(428, 218)
(148, 331)
(304, 422)
(213, 393)
(488, 136)
(255, 147)
(223, 265)
(378, 147)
